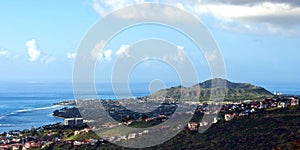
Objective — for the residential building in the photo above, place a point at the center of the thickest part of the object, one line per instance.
(193, 126)
(73, 121)
(294, 102)
(229, 117)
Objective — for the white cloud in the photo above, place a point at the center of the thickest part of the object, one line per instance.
(32, 50)
(71, 55)
(100, 54)
(259, 17)
(47, 59)
(256, 16)
(4, 53)
(211, 55)
(176, 57)
(107, 54)
(35, 54)
(147, 11)
(97, 51)
(103, 7)
(122, 49)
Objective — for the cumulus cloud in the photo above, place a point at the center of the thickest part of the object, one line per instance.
(176, 57)
(255, 16)
(122, 49)
(100, 54)
(32, 50)
(103, 7)
(147, 11)
(47, 59)
(36, 55)
(97, 51)
(71, 55)
(258, 16)
(107, 54)
(4, 53)
(211, 55)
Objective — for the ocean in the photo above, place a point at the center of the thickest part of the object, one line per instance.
(27, 105)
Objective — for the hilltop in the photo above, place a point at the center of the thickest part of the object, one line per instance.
(202, 91)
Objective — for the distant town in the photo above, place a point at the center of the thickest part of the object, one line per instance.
(75, 132)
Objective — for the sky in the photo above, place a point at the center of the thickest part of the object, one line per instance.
(258, 39)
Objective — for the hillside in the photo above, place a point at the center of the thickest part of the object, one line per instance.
(272, 129)
(264, 130)
(202, 91)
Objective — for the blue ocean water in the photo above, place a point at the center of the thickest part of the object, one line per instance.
(26, 105)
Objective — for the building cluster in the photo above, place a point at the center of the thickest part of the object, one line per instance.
(194, 126)
(18, 141)
(244, 109)
(126, 137)
(234, 110)
(230, 111)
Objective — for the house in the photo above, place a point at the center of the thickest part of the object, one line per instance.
(26, 145)
(87, 130)
(283, 104)
(294, 102)
(76, 132)
(16, 146)
(215, 120)
(123, 137)
(5, 146)
(145, 131)
(203, 123)
(77, 143)
(113, 125)
(274, 104)
(263, 105)
(193, 126)
(131, 136)
(254, 104)
(149, 119)
(128, 122)
(229, 117)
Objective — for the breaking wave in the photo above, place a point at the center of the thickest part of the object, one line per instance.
(27, 111)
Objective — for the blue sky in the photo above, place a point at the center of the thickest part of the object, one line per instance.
(259, 40)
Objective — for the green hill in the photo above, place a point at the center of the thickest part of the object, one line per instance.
(276, 129)
(203, 91)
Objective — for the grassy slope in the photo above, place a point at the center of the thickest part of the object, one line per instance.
(264, 130)
(258, 131)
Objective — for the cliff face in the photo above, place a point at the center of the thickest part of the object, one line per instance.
(203, 91)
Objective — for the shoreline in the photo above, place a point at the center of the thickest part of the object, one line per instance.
(57, 116)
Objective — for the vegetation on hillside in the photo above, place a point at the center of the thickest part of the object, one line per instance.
(203, 91)
(277, 129)
(67, 112)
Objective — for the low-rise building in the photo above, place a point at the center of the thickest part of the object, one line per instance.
(294, 102)
(131, 136)
(229, 117)
(193, 126)
(203, 123)
(73, 121)
(283, 104)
